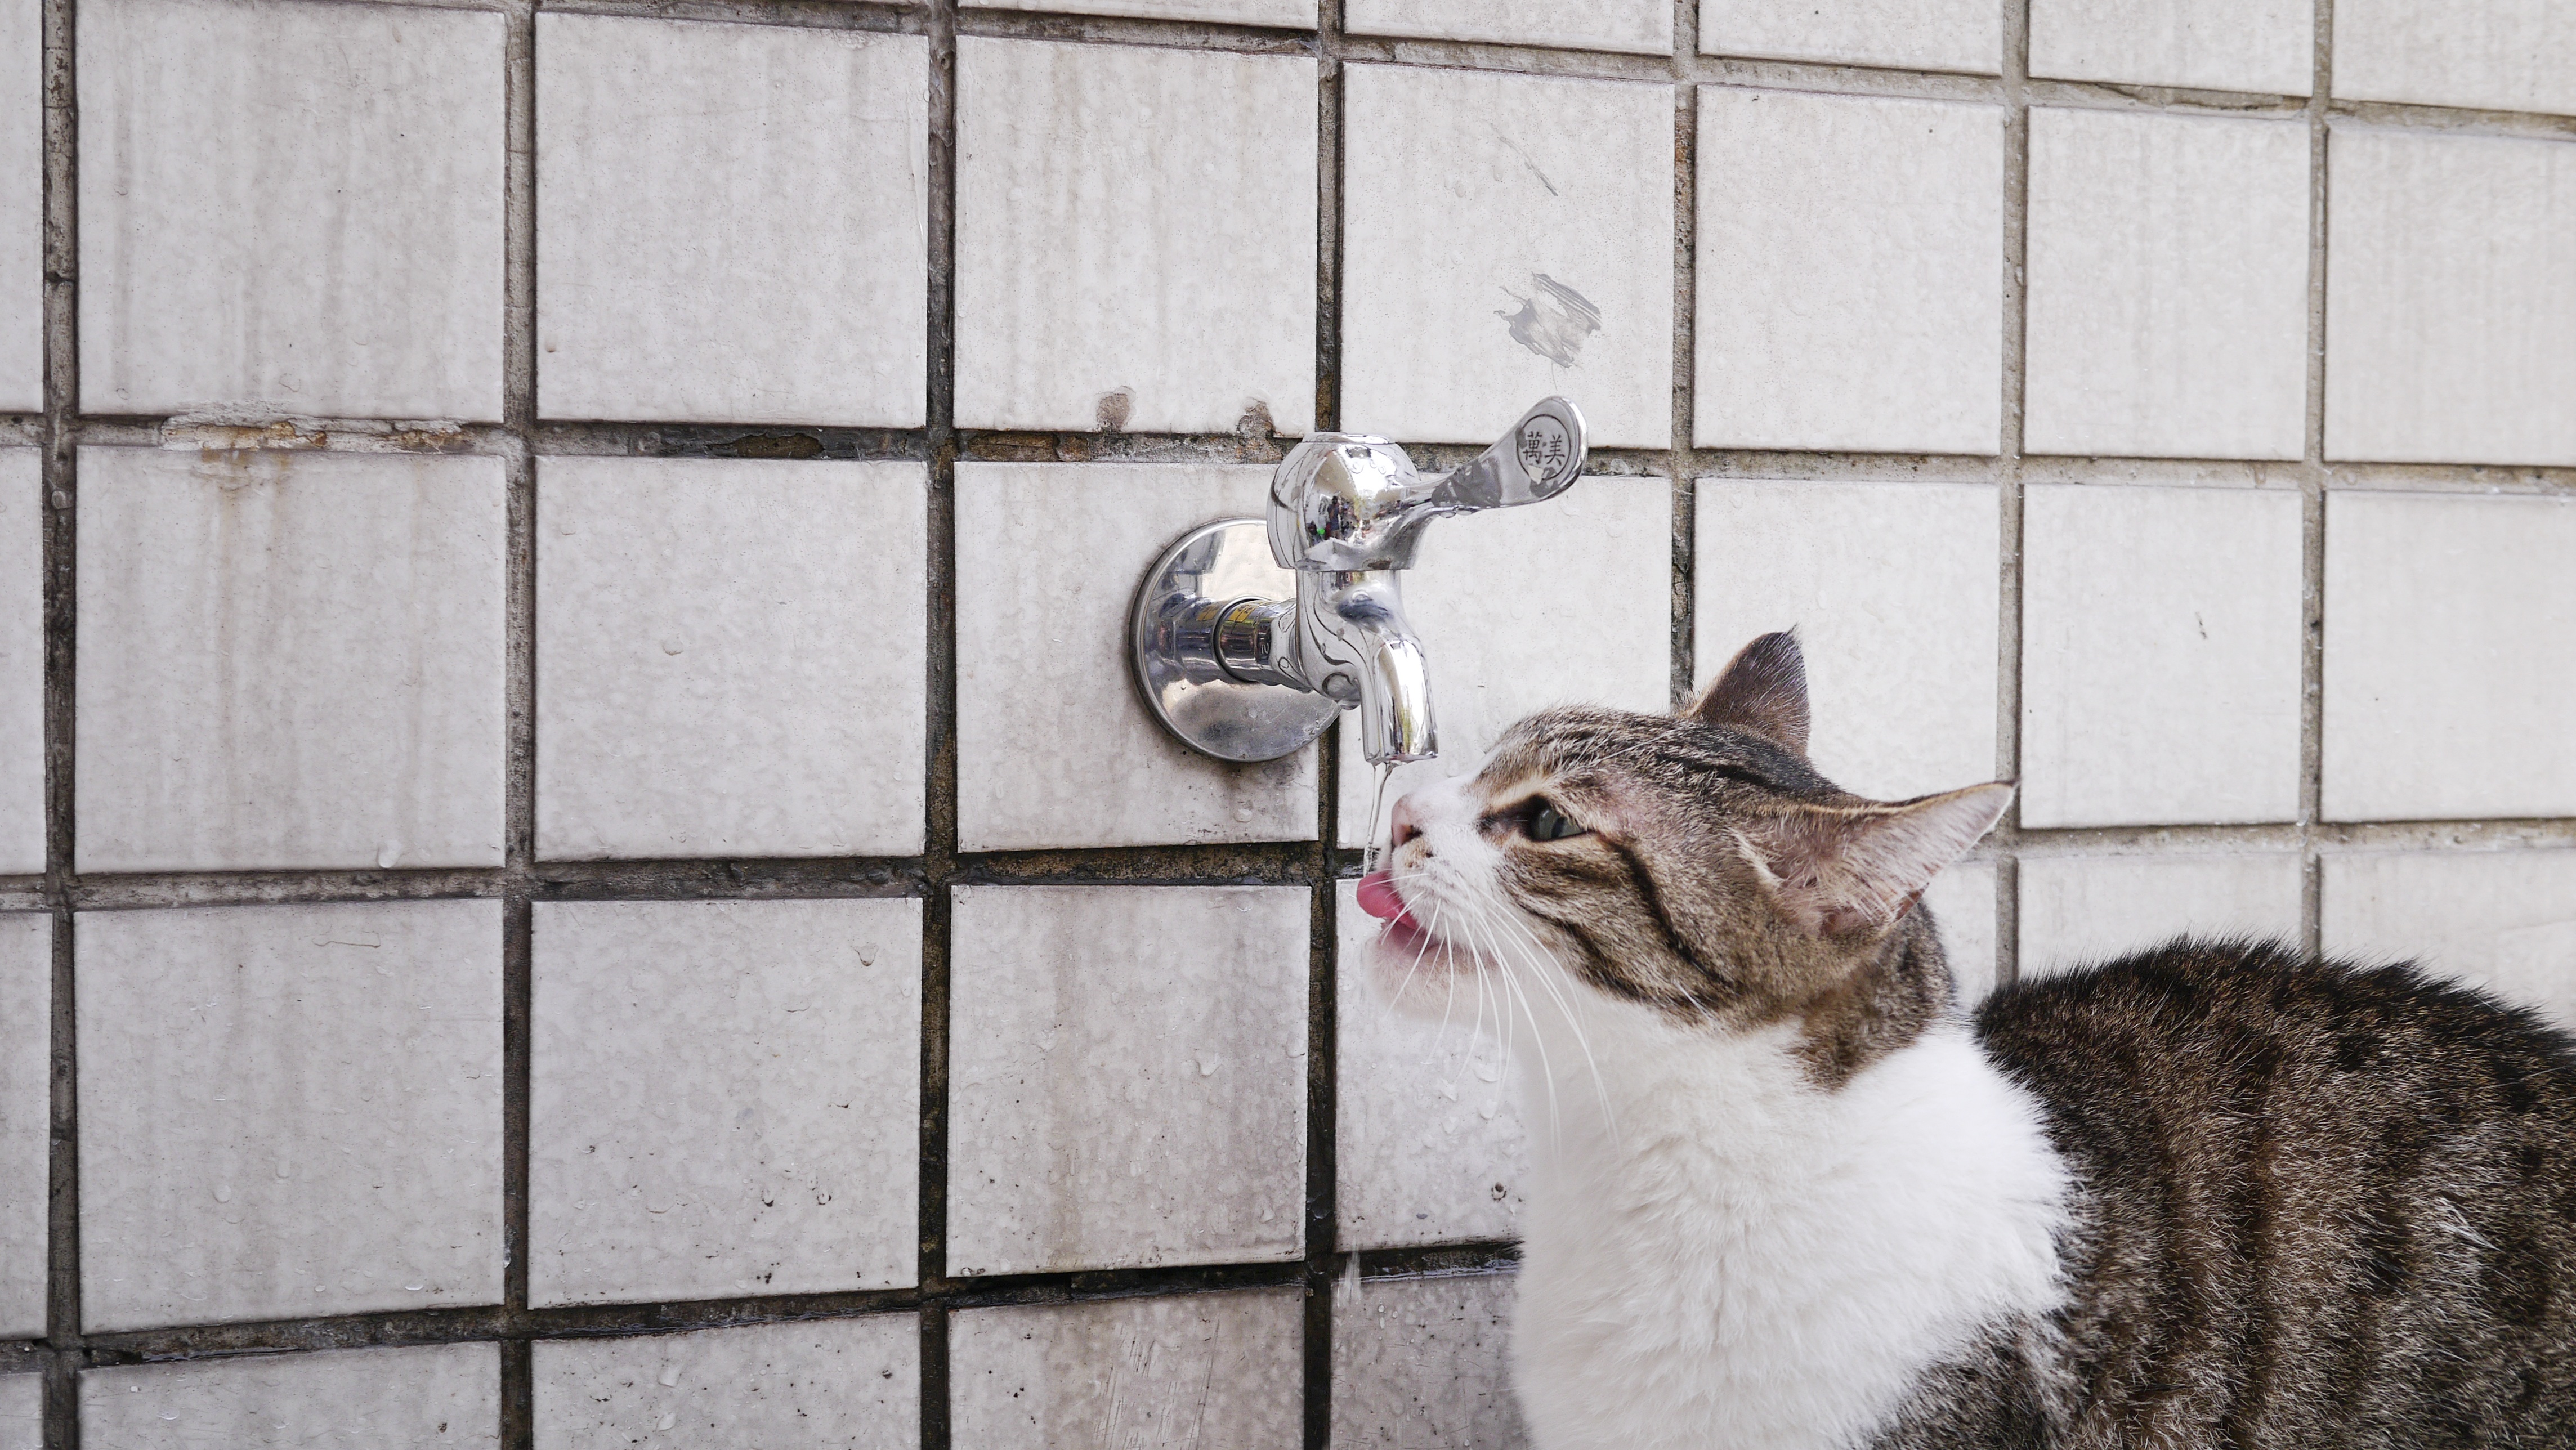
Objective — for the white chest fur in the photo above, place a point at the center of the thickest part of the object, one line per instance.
(1734, 1257)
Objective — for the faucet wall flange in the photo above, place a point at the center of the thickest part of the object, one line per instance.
(1204, 633)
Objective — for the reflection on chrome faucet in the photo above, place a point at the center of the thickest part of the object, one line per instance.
(1242, 668)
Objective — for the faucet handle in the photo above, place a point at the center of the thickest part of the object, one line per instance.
(1538, 459)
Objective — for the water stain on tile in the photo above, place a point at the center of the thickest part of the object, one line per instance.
(1116, 406)
(1554, 320)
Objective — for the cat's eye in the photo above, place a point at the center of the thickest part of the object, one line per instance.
(1547, 823)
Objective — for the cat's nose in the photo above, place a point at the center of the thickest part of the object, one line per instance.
(1400, 827)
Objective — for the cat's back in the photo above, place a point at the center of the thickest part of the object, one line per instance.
(2320, 1204)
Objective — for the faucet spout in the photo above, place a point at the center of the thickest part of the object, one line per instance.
(1363, 651)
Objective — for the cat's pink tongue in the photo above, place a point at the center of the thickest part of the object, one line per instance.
(1378, 898)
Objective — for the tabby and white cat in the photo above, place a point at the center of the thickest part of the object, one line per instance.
(1785, 1194)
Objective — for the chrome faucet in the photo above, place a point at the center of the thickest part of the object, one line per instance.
(1244, 669)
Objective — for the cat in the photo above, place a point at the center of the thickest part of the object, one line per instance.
(1786, 1193)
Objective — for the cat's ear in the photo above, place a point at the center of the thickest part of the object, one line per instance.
(1763, 690)
(1836, 870)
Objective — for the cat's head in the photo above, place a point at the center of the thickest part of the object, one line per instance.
(1692, 865)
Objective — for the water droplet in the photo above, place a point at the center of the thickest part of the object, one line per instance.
(223, 1193)
(415, 1288)
(668, 1420)
(1207, 1067)
(670, 1375)
(670, 647)
(1243, 813)
(388, 855)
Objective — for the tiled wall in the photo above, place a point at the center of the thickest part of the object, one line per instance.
(578, 865)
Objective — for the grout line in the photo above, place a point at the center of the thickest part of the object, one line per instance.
(2009, 479)
(939, 786)
(518, 965)
(2313, 477)
(58, 496)
(1685, 360)
(1323, 946)
(553, 438)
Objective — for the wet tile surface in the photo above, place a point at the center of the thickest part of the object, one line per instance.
(444, 1397)
(26, 1117)
(22, 661)
(1950, 35)
(1096, 285)
(2502, 920)
(289, 1111)
(22, 207)
(2077, 910)
(2452, 296)
(1891, 588)
(2516, 55)
(200, 291)
(1629, 25)
(2160, 655)
(289, 660)
(2185, 239)
(1127, 1078)
(730, 657)
(852, 1384)
(732, 222)
(1850, 294)
(2266, 46)
(1420, 1363)
(1428, 1140)
(2438, 607)
(1505, 238)
(724, 1099)
(1181, 1370)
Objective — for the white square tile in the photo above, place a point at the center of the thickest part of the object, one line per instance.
(22, 661)
(441, 1397)
(1850, 273)
(2079, 910)
(1630, 25)
(22, 1412)
(1891, 587)
(22, 207)
(1055, 746)
(1568, 602)
(1199, 1369)
(2450, 621)
(2264, 46)
(848, 1383)
(1286, 14)
(732, 222)
(1962, 899)
(724, 1099)
(1135, 238)
(2502, 920)
(2501, 55)
(1127, 1076)
(2168, 286)
(731, 657)
(26, 1120)
(2160, 655)
(1420, 1363)
(1428, 1143)
(2450, 296)
(289, 660)
(379, 295)
(1951, 35)
(289, 1111)
(1505, 238)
